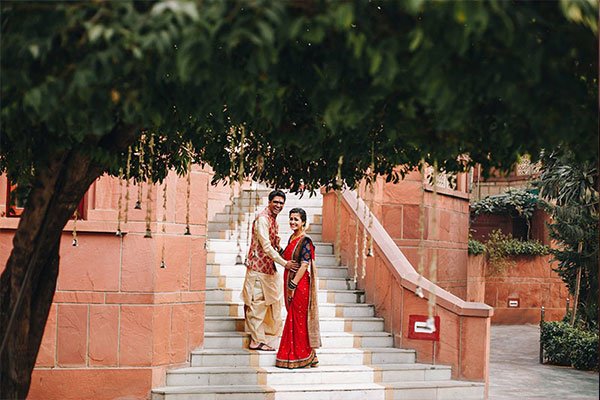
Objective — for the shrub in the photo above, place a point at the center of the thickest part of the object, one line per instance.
(567, 345)
(501, 247)
(555, 342)
(584, 352)
(513, 202)
(476, 247)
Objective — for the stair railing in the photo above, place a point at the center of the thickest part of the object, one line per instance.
(390, 284)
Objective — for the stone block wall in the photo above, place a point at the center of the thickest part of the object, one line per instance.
(397, 206)
(532, 282)
(118, 319)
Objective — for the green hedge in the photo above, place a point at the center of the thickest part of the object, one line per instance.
(567, 345)
(501, 250)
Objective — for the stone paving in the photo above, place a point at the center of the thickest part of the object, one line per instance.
(515, 372)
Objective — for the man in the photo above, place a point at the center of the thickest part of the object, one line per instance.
(262, 292)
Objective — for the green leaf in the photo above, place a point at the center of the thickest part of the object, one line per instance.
(33, 99)
(34, 49)
(376, 60)
(344, 15)
(266, 32)
(95, 32)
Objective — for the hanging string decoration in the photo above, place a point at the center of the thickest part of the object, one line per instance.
(75, 243)
(231, 180)
(188, 192)
(163, 228)
(239, 258)
(140, 154)
(421, 251)
(253, 205)
(127, 177)
(120, 203)
(149, 191)
(433, 265)
(364, 238)
(338, 228)
(372, 177)
(249, 217)
(260, 164)
(356, 232)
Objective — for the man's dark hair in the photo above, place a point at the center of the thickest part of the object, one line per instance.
(276, 193)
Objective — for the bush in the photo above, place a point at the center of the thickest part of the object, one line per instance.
(476, 247)
(555, 337)
(513, 202)
(567, 345)
(500, 248)
(584, 353)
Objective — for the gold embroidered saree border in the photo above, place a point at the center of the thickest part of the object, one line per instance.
(310, 360)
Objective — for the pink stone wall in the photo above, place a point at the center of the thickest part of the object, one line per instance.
(390, 285)
(119, 320)
(397, 206)
(483, 225)
(532, 281)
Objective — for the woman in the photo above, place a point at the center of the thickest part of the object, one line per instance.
(301, 334)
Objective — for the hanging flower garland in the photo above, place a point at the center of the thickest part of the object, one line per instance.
(149, 191)
(120, 203)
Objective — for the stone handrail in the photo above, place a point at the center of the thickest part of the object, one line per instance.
(390, 284)
(403, 270)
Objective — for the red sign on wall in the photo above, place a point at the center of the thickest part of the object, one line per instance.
(418, 328)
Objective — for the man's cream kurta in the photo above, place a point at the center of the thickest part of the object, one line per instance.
(262, 292)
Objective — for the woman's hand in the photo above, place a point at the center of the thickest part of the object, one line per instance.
(291, 286)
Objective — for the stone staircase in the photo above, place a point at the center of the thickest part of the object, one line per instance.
(357, 360)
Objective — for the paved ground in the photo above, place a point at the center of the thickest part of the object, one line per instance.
(516, 374)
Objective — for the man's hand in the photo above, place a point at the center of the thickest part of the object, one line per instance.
(292, 266)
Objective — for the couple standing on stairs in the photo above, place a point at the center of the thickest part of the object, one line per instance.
(262, 292)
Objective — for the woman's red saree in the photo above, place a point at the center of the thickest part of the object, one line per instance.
(295, 349)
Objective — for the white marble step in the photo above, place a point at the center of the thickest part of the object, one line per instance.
(330, 340)
(238, 392)
(313, 214)
(324, 295)
(230, 246)
(207, 376)
(226, 226)
(232, 235)
(327, 324)
(290, 202)
(216, 257)
(236, 309)
(242, 357)
(237, 282)
(411, 390)
(232, 270)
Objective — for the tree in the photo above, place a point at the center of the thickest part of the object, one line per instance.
(572, 189)
(388, 83)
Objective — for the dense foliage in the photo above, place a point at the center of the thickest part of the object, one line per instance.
(514, 202)
(571, 188)
(307, 81)
(564, 344)
(501, 249)
(476, 247)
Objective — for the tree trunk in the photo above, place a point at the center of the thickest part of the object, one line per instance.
(28, 283)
